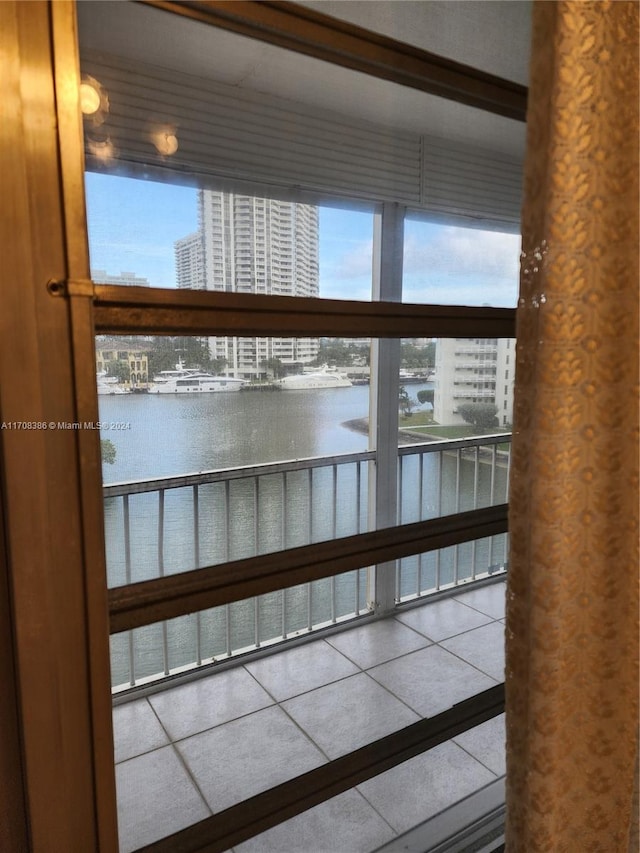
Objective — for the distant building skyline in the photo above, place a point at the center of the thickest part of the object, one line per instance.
(127, 279)
(246, 244)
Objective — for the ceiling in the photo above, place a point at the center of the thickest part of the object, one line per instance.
(492, 36)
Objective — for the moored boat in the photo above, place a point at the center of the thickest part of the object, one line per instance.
(184, 380)
(324, 378)
(110, 385)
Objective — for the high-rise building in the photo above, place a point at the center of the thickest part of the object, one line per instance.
(253, 245)
(473, 370)
(190, 261)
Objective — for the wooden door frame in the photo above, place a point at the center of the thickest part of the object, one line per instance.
(51, 473)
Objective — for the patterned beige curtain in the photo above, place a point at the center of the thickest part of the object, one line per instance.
(572, 615)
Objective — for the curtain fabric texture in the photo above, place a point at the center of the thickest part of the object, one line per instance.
(572, 610)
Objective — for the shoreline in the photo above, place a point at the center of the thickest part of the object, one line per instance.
(406, 436)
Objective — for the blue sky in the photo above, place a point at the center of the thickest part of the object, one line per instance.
(133, 225)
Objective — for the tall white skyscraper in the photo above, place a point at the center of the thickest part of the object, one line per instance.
(253, 245)
(190, 261)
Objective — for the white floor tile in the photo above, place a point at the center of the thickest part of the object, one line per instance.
(295, 671)
(487, 599)
(236, 741)
(344, 824)
(431, 680)
(208, 702)
(136, 730)
(239, 759)
(156, 798)
(487, 743)
(483, 648)
(377, 642)
(442, 619)
(422, 787)
(349, 714)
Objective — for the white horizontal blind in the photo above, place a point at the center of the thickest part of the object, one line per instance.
(231, 132)
(228, 132)
(471, 182)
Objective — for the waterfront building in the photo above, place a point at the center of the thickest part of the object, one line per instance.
(133, 358)
(473, 370)
(127, 279)
(253, 245)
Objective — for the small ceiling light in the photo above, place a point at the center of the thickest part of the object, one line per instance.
(170, 144)
(90, 96)
(165, 140)
(103, 150)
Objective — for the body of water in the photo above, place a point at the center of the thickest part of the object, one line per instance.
(179, 434)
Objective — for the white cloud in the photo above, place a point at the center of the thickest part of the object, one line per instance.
(463, 251)
(354, 263)
(448, 266)
(461, 266)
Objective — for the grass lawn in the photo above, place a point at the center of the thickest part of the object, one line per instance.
(462, 431)
(416, 419)
(456, 431)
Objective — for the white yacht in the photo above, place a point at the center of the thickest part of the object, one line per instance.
(109, 385)
(323, 378)
(184, 380)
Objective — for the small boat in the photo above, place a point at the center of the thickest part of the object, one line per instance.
(323, 378)
(109, 385)
(184, 380)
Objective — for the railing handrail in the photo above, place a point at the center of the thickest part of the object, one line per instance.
(437, 445)
(218, 475)
(130, 487)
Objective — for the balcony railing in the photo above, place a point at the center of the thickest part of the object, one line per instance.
(474, 392)
(175, 524)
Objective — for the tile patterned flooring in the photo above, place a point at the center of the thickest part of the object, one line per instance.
(279, 716)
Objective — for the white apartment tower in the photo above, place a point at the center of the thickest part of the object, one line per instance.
(253, 245)
(473, 370)
(190, 261)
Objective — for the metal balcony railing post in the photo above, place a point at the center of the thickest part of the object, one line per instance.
(196, 557)
(165, 642)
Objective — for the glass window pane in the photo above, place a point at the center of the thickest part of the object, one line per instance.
(151, 234)
(218, 449)
(221, 448)
(447, 264)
